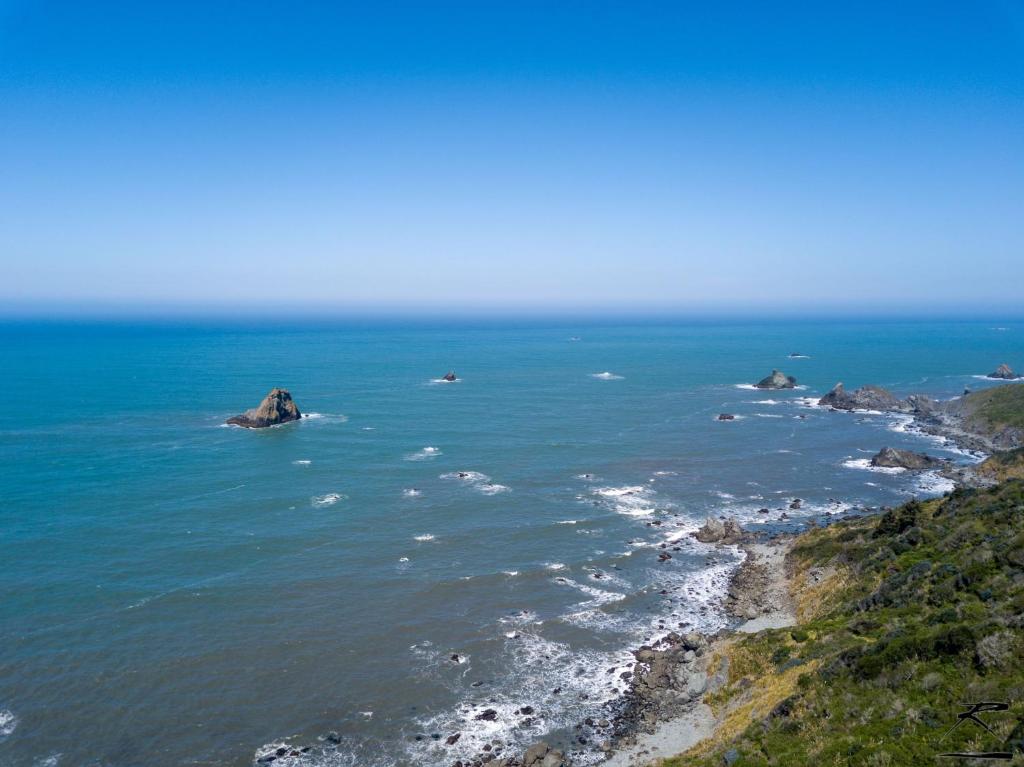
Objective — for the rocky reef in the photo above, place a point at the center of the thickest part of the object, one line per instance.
(276, 408)
(777, 380)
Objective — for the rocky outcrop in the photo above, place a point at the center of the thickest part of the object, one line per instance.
(777, 380)
(893, 458)
(719, 531)
(276, 408)
(1003, 372)
(864, 398)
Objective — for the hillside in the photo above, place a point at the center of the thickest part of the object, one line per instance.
(901, 618)
(995, 415)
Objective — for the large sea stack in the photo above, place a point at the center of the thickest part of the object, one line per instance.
(777, 380)
(276, 408)
(893, 458)
(864, 398)
(1003, 372)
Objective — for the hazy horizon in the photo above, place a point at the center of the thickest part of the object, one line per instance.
(462, 158)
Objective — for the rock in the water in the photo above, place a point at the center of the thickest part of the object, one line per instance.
(1004, 372)
(716, 531)
(726, 417)
(276, 408)
(864, 398)
(892, 458)
(777, 380)
(449, 377)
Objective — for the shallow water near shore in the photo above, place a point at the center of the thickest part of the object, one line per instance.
(416, 552)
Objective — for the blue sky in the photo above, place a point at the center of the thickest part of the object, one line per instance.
(615, 156)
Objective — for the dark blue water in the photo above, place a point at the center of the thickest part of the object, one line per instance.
(178, 592)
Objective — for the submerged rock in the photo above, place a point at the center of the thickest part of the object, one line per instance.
(864, 398)
(777, 380)
(893, 458)
(1004, 372)
(726, 417)
(276, 408)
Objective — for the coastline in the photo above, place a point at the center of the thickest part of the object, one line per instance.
(666, 711)
(669, 706)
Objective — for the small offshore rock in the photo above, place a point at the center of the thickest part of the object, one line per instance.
(276, 408)
(449, 377)
(726, 417)
(777, 380)
(1003, 372)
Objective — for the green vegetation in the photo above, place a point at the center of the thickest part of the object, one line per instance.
(1000, 406)
(902, 618)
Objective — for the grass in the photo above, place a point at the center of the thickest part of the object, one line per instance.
(909, 614)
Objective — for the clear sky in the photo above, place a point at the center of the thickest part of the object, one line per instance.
(676, 156)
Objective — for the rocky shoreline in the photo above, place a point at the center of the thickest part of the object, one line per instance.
(664, 711)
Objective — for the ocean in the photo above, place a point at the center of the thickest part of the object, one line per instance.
(413, 553)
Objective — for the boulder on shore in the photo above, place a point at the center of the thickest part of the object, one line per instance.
(1003, 372)
(716, 531)
(542, 755)
(777, 380)
(276, 408)
(864, 398)
(893, 458)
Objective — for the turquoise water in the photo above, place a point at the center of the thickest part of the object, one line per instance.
(179, 592)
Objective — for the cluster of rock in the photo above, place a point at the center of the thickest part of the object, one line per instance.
(894, 458)
(777, 380)
(876, 398)
(748, 587)
(1004, 372)
(667, 677)
(276, 408)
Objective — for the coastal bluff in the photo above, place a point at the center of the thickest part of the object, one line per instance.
(276, 408)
